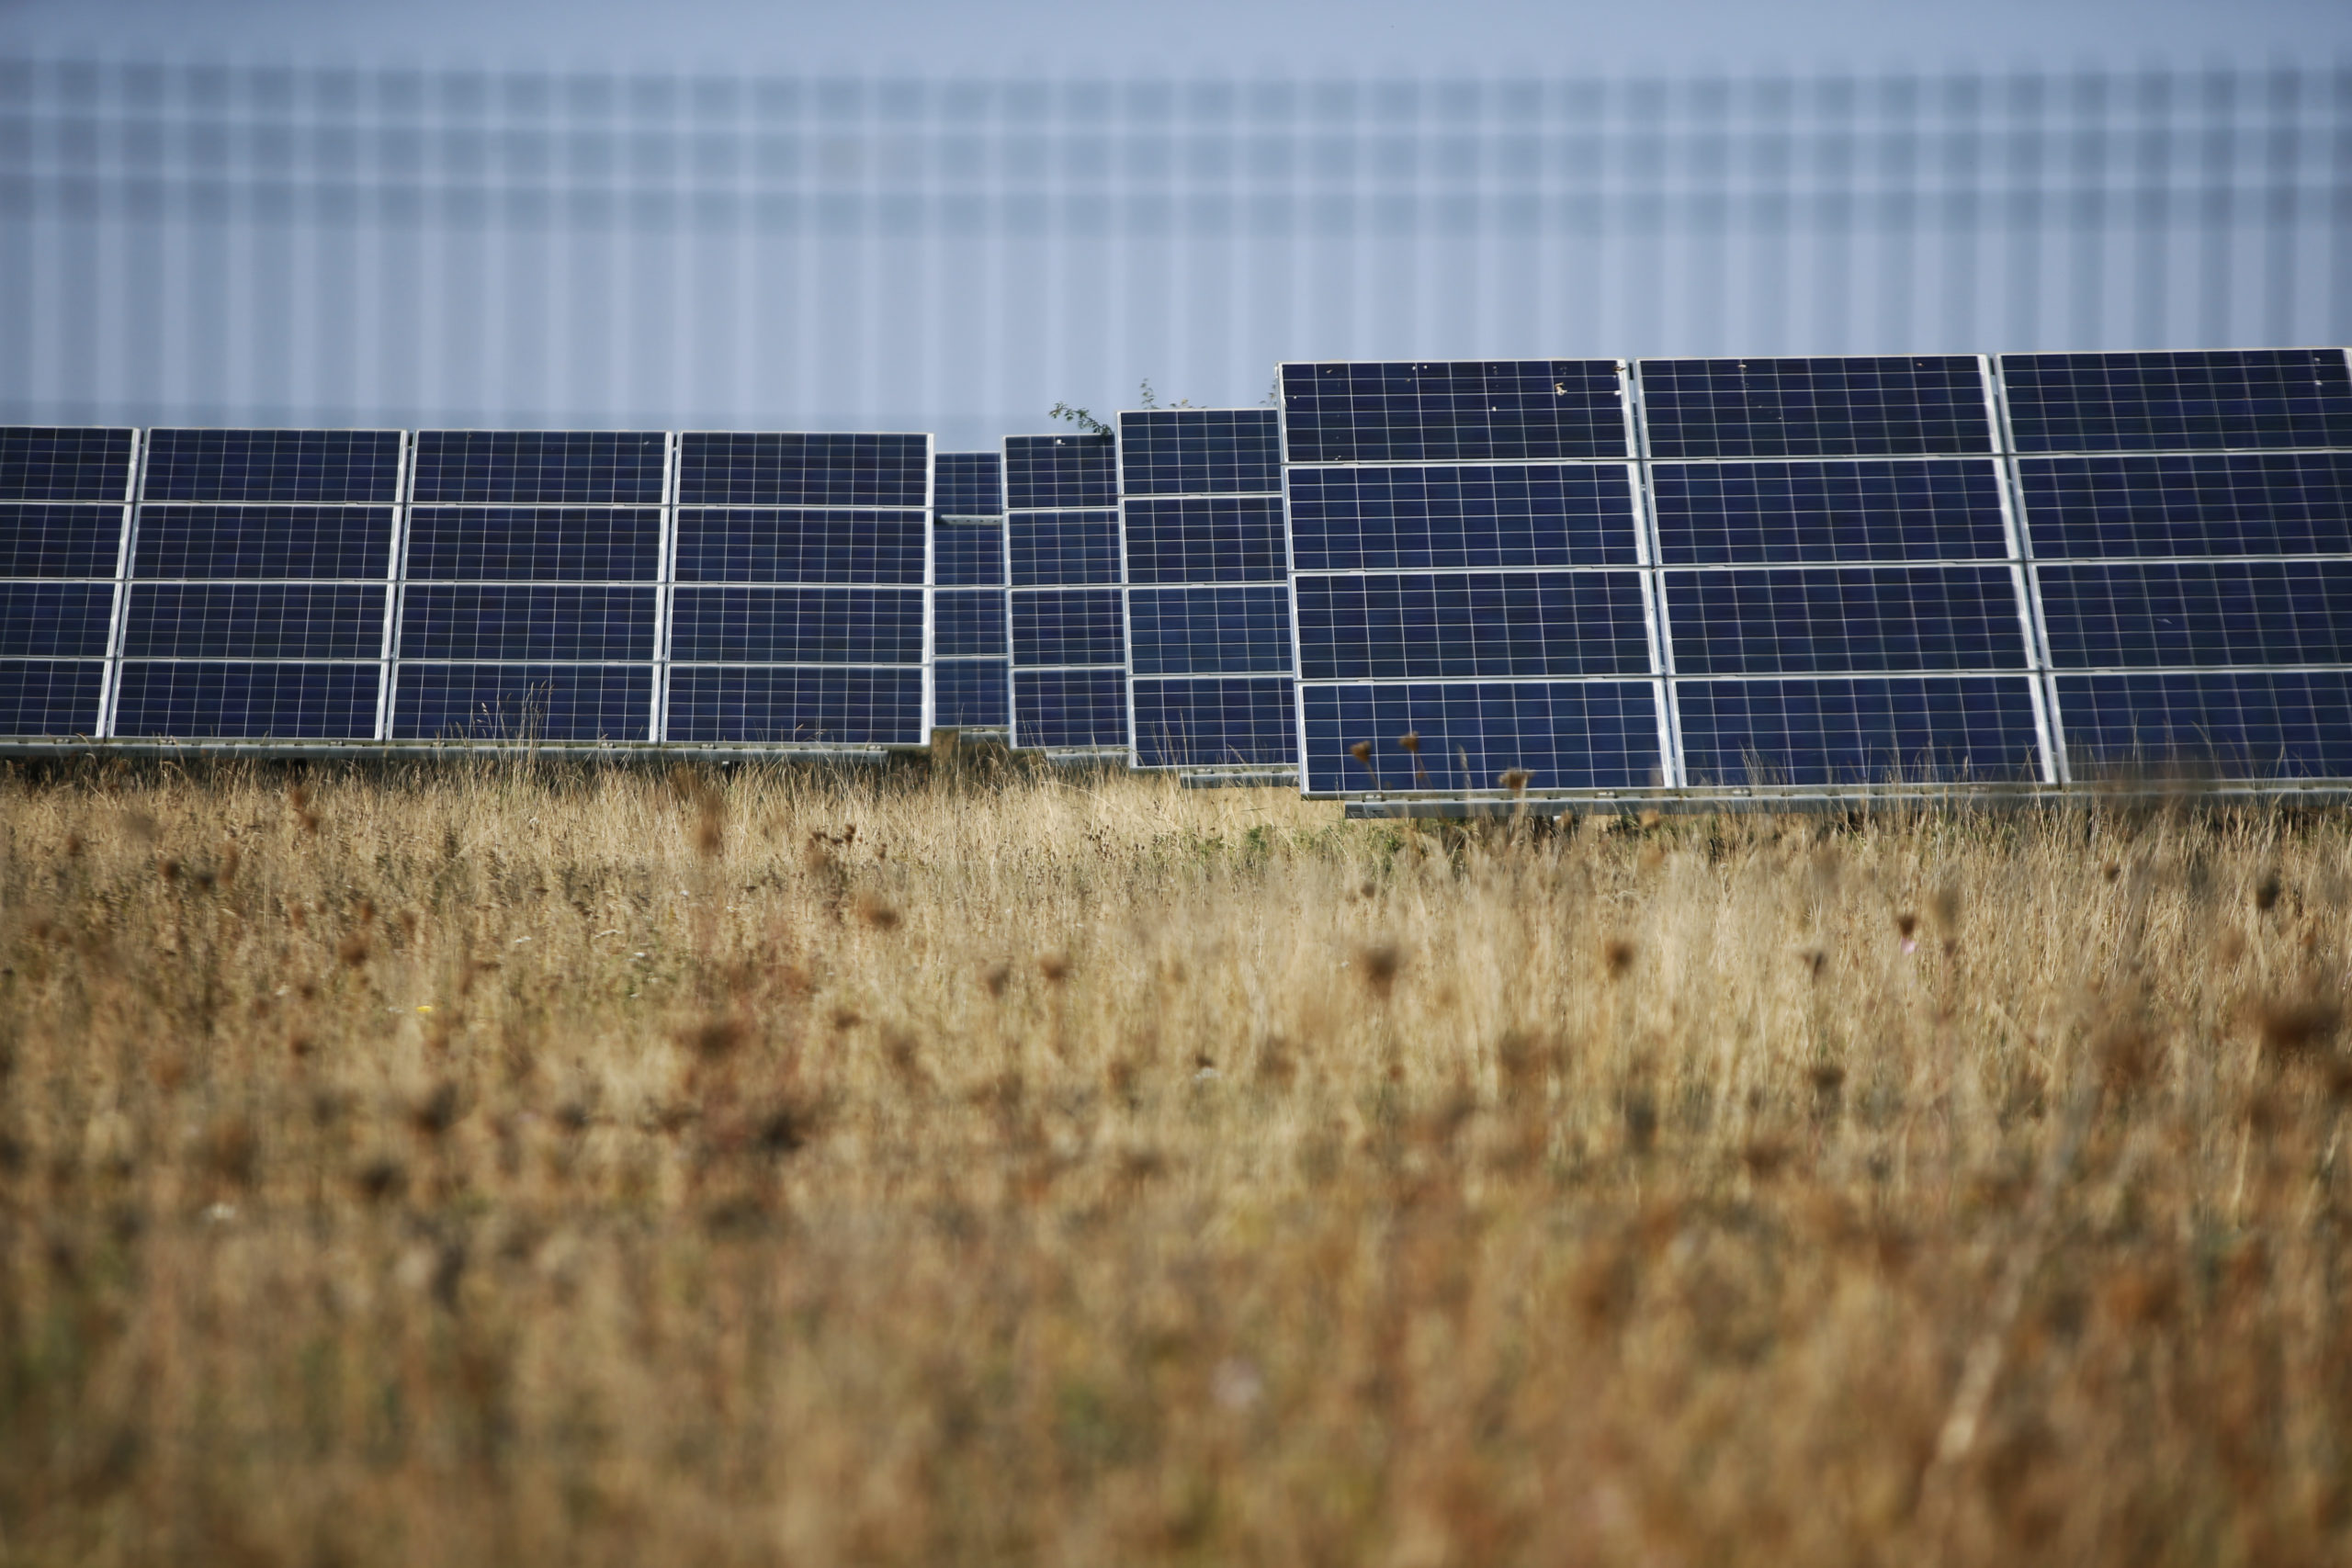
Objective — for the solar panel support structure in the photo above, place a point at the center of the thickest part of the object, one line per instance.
(665, 589)
(111, 675)
(2043, 687)
(1654, 606)
(395, 570)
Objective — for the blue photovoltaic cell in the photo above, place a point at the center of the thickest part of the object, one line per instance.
(523, 702)
(801, 546)
(55, 620)
(968, 484)
(845, 470)
(1235, 721)
(1826, 619)
(37, 540)
(1508, 411)
(1471, 623)
(70, 463)
(1196, 539)
(968, 624)
(967, 556)
(263, 541)
(2123, 613)
(1071, 708)
(572, 543)
(1580, 735)
(1062, 472)
(797, 625)
(2205, 504)
(50, 696)
(2244, 724)
(971, 692)
(1376, 519)
(282, 701)
(464, 621)
(1858, 732)
(1209, 631)
(254, 620)
(1200, 452)
(1072, 626)
(2193, 402)
(1930, 405)
(1726, 514)
(800, 706)
(540, 467)
(1054, 549)
(272, 465)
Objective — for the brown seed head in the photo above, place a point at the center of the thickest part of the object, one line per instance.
(1617, 956)
(1516, 780)
(438, 1112)
(1055, 967)
(1361, 752)
(352, 949)
(2265, 892)
(996, 978)
(1379, 964)
(1907, 924)
(715, 1039)
(877, 914)
(2291, 1031)
(1410, 740)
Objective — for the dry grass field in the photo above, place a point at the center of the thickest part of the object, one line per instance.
(504, 1168)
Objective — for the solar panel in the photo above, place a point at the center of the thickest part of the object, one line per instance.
(1068, 650)
(2192, 567)
(798, 613)
(64, 518)
(1208, 604)
(261, 582)
(971, 635)
(1471, 579)
(1816, 408)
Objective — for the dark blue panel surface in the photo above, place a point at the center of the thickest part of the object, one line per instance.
(1069, 707)
(1047, 549)
(66, 463)
(737, 469)
(264, 541)
(971, 692)
(272, 465)
(1206, 631)
(38, 540)
(1929, 405)
(1723, 513)
(278, 702)
(1200, 452)
(1067, 627)
(55, 620)
(799, 545)
(40, 696)
(2194, 402)
(1209, 723)
(1230, 539)
(2247, 724)
(839, 708)
(1449, 413)
(967, 556)
(523, 702)
(574, 543)
(1374, 519)
(497, 622)
(254, 620)
(1588, 735)
(1858, 732)
(2193, 612)
(540, 467)
(968, 622)
(2206, 504)
(968, 484)
(797, 625)
(1466, 624)
(1823, 619)
(1060, 471)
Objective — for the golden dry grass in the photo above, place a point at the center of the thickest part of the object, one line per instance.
(804, 1169)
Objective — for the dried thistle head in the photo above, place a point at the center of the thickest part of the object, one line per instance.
(715, 1039)
(1379, 964)
(2266, 891)
(1907, 926)
(1361, 752)
(1617, 956)
(1410, 740)
(1516, 780)
(996, 978)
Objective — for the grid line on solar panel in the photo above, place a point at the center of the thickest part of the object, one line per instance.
(1067, 628)
(2255, 723)
(515, 544)
(211, 621)
(805, 705)
(800, 545)
(530, 623)
(285, 699)
(1060, 472)
(209, 542)
(1203, 540)
(1209, 631)
(1200, 452)
(1908, 510)
(1402, 519)
(972, 694)
(1918, 406)
(968, 555)
(50, 697)
(968, 484)
(315, 466)
(1820, 620)
(1472, 626)
(2195, 400)
(1208, 720)
(1858, 731)
(48, 539)
(2263, 503)
(523, 701)
(65, 463)
(2123, 615)
(1439, 411)
(1070, 709)
(539, 467)
(861, 470)
(1596, 734)
(797, 625)
(969, 623)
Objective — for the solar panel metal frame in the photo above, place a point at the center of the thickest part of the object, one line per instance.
(1229, 772)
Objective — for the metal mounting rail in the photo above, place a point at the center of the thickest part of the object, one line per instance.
(2329, 792)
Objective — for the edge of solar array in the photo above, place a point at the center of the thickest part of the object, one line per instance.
(1687, 802)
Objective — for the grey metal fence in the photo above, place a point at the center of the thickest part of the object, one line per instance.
(277, 246)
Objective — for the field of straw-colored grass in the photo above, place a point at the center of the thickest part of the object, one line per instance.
(500, 1168)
